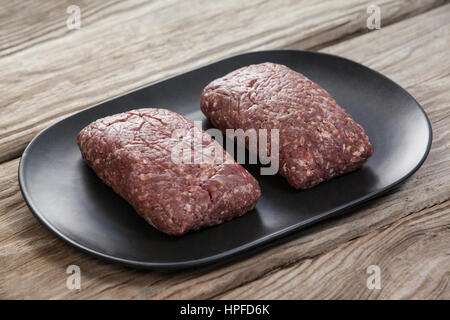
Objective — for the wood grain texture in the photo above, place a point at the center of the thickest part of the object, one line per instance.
(49, 72)
(413, 255)
(33, 261)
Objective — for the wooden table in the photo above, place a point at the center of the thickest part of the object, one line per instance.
(50, 71)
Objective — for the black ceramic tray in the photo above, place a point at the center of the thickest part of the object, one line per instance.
(68, 198)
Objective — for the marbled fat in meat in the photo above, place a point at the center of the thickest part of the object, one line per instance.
(131, 152)
(319, 140)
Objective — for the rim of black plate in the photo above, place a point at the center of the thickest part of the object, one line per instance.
(241, 249)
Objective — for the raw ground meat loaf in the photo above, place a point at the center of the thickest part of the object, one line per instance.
(131, 152)
(318, 139)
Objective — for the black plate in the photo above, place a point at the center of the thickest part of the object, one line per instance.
(70, 200)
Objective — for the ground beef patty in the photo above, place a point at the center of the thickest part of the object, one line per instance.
(131, 152)
(318, 139)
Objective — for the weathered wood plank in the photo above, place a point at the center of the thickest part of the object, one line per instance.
(27, 23)
(33, 262)
(413, 256)
(49, 72)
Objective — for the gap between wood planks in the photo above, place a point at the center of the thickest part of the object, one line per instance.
(95, 11)
(360, 32)
(439, 83)
(304, 25)
(381, 229)
(428, 92)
